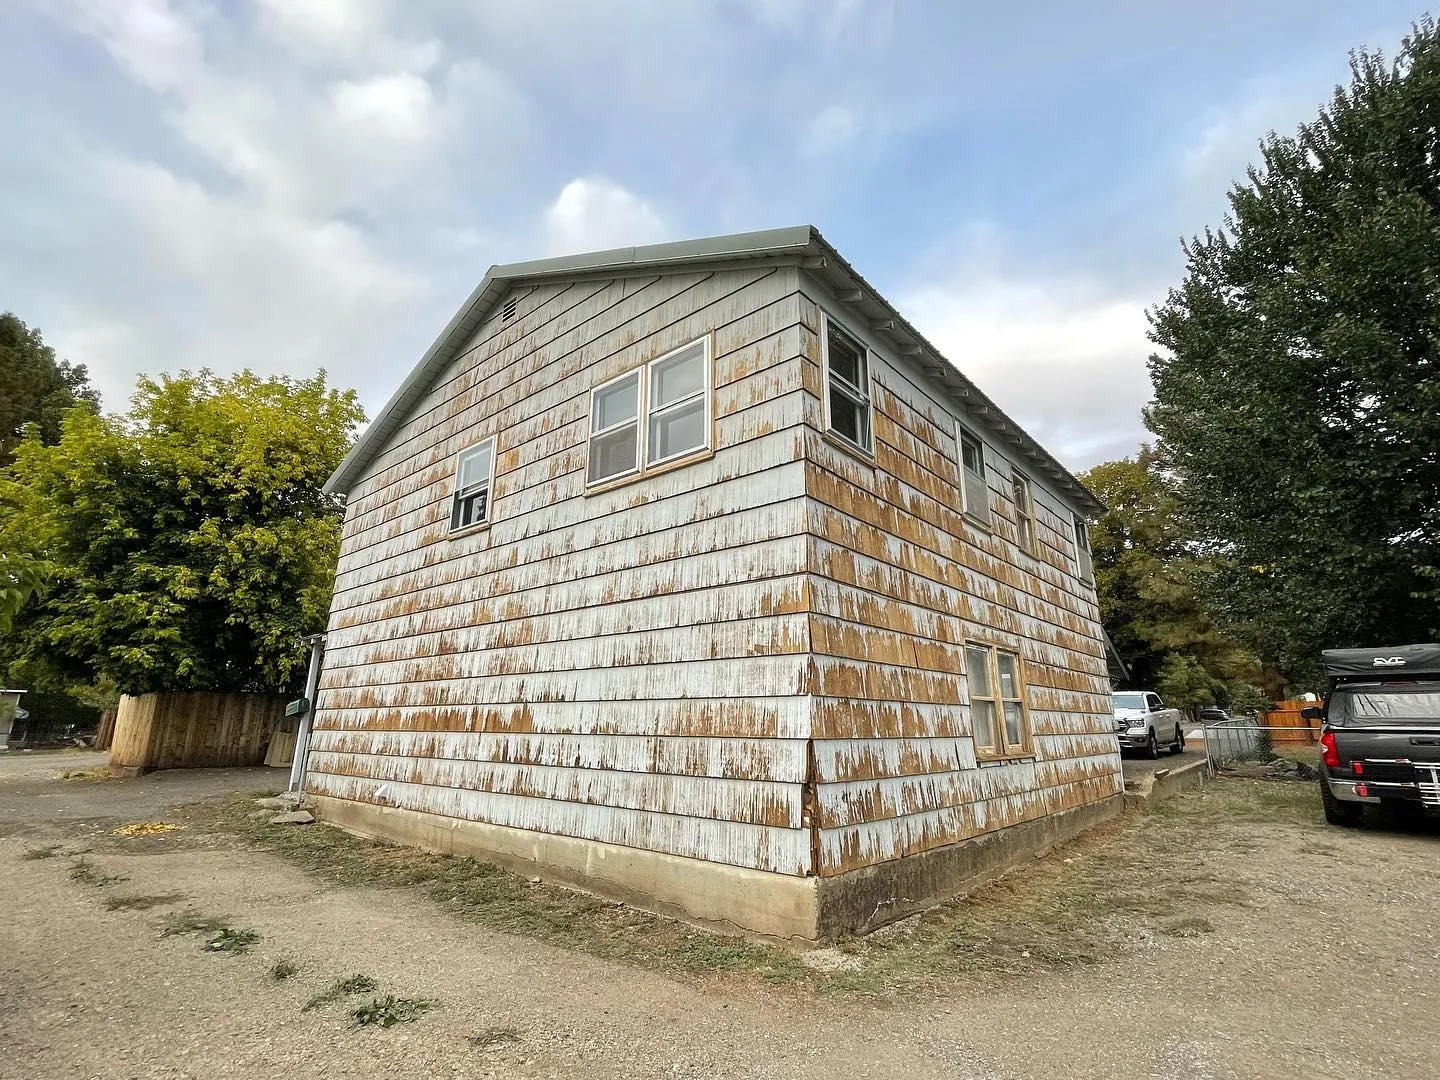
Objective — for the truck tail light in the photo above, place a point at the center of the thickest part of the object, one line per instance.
(1328, 753)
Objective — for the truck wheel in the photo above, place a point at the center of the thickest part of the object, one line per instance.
(1178, 746)
(1337, 812)
(1152, 748)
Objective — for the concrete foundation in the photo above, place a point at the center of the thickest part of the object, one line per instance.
(803, 910)
(866, 899)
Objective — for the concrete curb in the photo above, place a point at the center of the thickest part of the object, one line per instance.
(1164, 784)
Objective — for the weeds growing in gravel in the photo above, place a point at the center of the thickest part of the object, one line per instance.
(342, 988)
(493, 1037)
(192, 922)
(141, 902)
(46, 851)
(284, 969)
(231, 941)
(1080, 906)
(388, 1011)
(84, 872)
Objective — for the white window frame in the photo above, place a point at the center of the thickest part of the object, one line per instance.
(638, 374)
(1003, 748)
(962, 436)
(487, 485)
(1026, 512)
(706, 391)
(643, 415)
(865, 394)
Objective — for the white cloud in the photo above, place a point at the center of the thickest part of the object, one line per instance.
(1065, 358)
(399, 107)
(151, 42)
(593, 213)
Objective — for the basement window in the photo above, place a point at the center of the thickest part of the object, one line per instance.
(1024, 512)
(652, 416)
(847, 387)
(999, 721)
(974, 492)
(474, 474)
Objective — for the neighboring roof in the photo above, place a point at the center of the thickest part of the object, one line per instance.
(1399, 660)
(800, 242)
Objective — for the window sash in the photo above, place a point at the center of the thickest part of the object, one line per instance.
(974, 491)
(856, 395)
(1024, 512)
(645, 415)
(1084, 559)
(463, 500)
(999, 718)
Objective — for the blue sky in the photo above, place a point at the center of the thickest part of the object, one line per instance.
(290, 184)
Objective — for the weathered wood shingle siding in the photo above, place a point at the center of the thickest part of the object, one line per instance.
(626, 666)
(901, 580)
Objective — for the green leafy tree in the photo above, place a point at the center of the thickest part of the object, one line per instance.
(1298, 394)
(1145, 574)
(35, 388)
(184, 545)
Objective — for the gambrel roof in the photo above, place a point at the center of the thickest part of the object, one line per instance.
(800, 244)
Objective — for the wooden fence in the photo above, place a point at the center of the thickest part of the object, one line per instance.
(1295, 729)
(191, 730)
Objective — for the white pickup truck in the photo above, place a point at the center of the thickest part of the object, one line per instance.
(1142, 722)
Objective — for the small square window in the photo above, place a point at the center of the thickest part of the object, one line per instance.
(847, 387)
(474, 472)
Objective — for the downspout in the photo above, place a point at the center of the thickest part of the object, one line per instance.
(302, 737)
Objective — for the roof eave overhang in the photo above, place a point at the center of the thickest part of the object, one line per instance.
(802, 244)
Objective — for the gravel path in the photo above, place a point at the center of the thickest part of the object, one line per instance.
(1329, 967)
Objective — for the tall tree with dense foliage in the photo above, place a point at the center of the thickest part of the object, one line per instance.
(1298, 393)
(186, 544)
(35, 388)
(1145, 575)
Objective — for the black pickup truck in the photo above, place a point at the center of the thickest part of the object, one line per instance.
(1381, 737)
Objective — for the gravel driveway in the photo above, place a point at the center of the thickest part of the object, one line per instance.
(1296, 950)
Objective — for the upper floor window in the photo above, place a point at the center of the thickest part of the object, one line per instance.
(1083, 560)
(474, 473)
(999, 721)
(655, 414)
(974, 492)
(1024, 512)
(847, 387)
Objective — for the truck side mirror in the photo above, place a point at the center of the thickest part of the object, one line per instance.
(1312, 712)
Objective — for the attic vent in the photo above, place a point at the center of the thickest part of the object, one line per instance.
(508, 311)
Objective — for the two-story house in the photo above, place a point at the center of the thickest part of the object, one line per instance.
(693, 576)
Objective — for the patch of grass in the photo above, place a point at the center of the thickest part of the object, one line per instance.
(192, 922)
(493, 1037)
(46, 851)
(284, 969)
(388, 1011)
(85, 872)
(136, 902)
(1087, 905)
(1193, 926)
(342, 988)
(231, 941)
(98, 773)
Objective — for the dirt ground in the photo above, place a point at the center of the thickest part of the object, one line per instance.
(1225, 934)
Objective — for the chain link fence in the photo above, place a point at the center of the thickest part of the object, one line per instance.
(1245, 747)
